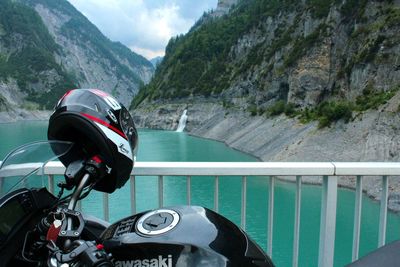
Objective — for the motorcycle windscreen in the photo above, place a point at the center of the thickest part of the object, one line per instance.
(25, 166)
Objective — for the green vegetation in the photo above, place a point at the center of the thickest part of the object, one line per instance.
(372, 99)
(331, 111)
(199, 63)
(253, 109)
(327, 112)
(280, 106)
(138, 98)
(32, 59)
(277, 108)
(320, 8)
(3, 103)
(353, 9)
(393, 17)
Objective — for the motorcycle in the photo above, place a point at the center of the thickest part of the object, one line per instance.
(94, 137)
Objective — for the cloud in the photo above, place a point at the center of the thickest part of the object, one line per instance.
(145, 26)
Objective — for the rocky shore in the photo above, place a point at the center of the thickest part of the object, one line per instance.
(373, 136)
(23, 114)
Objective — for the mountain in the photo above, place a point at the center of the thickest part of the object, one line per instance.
(310, 80)
(223, 7)
(48, 47)
(155, 61)
(317, 59)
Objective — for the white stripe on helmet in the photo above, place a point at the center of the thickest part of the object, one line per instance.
(123, 145)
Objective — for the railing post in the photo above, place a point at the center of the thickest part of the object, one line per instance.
(383, 212)
(188, 190)
(106, 210)
(328, 221)
(270, 215)
(160, 191)
(50, 180)
(296, 237)
(133, 194)
(357, 218)
(216, 194)
(79, 205)
(244, 202)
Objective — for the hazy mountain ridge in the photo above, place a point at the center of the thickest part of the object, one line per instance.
(58, 49)
(155, 61)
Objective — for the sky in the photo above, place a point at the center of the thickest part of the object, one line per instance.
(145, 26)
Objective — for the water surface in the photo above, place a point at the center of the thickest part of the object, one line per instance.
(172, 146)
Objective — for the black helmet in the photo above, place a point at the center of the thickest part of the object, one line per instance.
(99, 126)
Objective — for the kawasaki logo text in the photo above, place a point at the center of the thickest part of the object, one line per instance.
(155, 262)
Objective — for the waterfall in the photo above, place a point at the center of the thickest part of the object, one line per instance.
(182, 122)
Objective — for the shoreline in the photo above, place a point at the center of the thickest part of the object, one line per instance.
(371, 136)
(16, 115)
(344, 182)
(371, 188)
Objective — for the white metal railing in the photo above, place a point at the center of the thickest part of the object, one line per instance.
(329, 171)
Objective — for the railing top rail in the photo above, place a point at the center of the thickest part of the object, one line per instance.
(238, 168)
(367, 168)
(234, 168)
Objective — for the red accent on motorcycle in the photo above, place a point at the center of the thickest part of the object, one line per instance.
(100, 246)
(52, 233)
(97, 159)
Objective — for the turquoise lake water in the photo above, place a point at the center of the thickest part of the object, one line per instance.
(171, 146)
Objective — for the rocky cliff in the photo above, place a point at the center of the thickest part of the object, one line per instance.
(48, 47)
(302, 53)
(223, 7)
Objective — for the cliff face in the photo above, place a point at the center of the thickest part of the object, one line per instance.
(307, 58)
(302, 53)
(224, 6)
(49, 47)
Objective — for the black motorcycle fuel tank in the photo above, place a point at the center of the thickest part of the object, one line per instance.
(181, 236)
